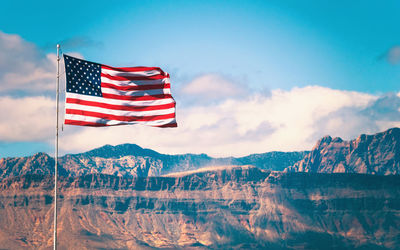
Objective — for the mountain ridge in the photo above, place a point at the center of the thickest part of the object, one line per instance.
(137, 200)
(369, 154)
(132, 160)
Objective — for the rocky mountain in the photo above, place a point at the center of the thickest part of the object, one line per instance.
(127, 197)
(369, 154)
(39, 163)
(227, 207)
(130, 160)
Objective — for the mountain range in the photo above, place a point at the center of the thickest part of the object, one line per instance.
(130, 160)
(369, 154)
(340, 195)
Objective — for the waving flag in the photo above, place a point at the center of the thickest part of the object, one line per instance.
(100, 95)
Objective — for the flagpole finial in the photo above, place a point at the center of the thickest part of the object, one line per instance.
(58, 45)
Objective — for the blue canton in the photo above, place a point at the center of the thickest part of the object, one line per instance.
(83, 77)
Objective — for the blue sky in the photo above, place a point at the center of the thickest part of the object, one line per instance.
(290, 43)
(256, 48)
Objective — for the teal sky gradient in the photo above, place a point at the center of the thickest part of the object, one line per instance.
(264, 45)
(270, 44)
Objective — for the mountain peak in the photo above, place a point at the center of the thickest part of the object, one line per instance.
(41, 155)
(326, 140)
(369, 154)
(118, 151)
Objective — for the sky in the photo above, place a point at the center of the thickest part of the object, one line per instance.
(247, 76)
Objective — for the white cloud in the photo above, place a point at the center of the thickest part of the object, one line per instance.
(213, 87)
(285, 120)
(27, 119)
(23, 68)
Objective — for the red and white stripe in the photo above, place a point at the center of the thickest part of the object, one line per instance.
(136, 95)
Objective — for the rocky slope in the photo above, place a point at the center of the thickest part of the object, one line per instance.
(227, 207)
(369, 154)
(130, 160)
(39, 163)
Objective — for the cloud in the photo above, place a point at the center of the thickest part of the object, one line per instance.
(392, 55)
(285, 120)
(222, 117)
(27, 119)
(23, 68)
(213, 87)
(27, 86)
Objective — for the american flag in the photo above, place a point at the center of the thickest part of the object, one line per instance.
(100, 95)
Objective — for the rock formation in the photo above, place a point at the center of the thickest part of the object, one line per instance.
(215, 208)
(341, 195)
(368, 154)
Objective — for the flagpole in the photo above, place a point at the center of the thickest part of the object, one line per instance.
(56, 150)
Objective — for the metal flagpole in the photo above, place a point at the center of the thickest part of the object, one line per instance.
(56, 149)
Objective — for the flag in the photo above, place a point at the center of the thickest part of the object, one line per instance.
(101, 95)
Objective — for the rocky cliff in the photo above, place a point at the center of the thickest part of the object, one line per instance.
(369, 154)
(215, 208)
